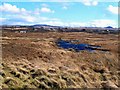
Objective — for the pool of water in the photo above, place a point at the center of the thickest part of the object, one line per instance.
(77, 47)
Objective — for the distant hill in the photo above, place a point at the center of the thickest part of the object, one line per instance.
(40, 25)
(109, 27)
(44, 25)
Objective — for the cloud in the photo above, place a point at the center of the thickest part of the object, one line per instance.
(90, 3)
(2, 19)
(113, 9)
(65, 7)
(44, 5)
(94, 23)
(46, 10)
(11, 8)
(31, 20)
(14, 15)
(37, 11)
(19, 19)
(57, 0)
(94, 3)
(25, 17)
(103, 23)
(28, 18)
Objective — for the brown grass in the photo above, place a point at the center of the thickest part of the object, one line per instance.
(32, 60)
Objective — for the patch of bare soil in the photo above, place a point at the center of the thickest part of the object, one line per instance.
(32, 60)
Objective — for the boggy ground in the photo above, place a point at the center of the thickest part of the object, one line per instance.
(32, 60)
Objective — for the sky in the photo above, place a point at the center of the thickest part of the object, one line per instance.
(89, 13)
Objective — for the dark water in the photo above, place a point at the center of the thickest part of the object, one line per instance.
(76, 47)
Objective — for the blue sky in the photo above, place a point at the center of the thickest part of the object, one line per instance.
(84, 13)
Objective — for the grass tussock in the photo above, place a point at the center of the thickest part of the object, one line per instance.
(34, 61)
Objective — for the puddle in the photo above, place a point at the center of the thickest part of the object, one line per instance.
(77, 47)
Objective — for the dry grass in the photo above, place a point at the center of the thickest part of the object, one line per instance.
(32, 60)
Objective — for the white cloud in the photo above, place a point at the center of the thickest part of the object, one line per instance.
(31, 20)
(86, 2)
(90, 3)
(57, 0)
(46, 10)
(37, 11)
(28, 18)
(94, 3)
(103, 23)
(8, 8)
(94, 23)
(44, 5)
(23, 10)
(22, 16)
(76, 24)
(65, 7)
(11, 8)
(2, 19)
(113, 9)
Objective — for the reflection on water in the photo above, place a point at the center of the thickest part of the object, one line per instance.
(77, 47)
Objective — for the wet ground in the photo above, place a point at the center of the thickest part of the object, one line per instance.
(77, 47)
(34, 60)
